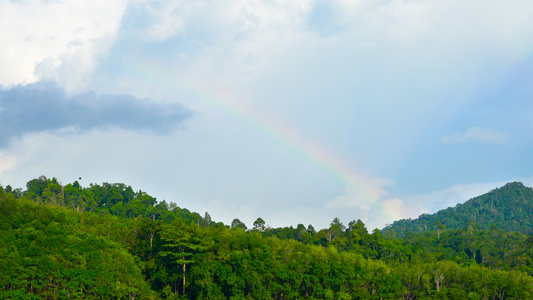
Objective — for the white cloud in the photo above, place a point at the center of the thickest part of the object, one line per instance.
(476, 134)
(7, 162)
(60, 38)
(394, 209)
(367, 199)
(14, 168)
(364, 81)
(361, 192)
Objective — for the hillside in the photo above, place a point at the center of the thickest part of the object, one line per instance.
(109, 242)
(509, 208)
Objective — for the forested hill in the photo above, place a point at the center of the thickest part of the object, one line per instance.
(108, 242)
(509, 207)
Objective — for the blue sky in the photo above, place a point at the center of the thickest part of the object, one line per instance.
(295, 111)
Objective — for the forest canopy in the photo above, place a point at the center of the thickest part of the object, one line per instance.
(109, 241)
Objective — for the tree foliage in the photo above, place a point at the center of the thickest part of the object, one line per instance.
(509, 208)
(108, 242)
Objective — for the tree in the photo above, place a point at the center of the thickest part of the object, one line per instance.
(63, 258)
(147, 231)
(351, 225)
(259, 224)
(440, 227)
(471, 227)
(360, 227)
(206, 221)
(146, 199)
(35, 187)
(336, 228)
(236, 223)
(181, 242)
(438, 277)
(172, 206)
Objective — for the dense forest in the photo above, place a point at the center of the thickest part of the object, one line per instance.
(110, 242)
(509, 208)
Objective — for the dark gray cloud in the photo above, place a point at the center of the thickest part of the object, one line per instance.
(44, 106)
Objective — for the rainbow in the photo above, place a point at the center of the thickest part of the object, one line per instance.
(270, 126)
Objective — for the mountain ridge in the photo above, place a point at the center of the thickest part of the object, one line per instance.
(509, 207)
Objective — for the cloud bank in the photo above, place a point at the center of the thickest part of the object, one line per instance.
(44, 106)
(374, 83)
(55, 40)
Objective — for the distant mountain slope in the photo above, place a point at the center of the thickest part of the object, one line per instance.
(509, 207)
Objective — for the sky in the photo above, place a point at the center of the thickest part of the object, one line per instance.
(295, 111)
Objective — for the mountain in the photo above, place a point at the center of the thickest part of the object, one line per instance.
(509, 207)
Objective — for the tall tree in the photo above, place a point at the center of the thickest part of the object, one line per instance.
(259, 224)
(236, 223)
(206, 221)
(440, 228)
(181, 242)
(336, 228)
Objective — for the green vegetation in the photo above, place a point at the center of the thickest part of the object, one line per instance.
(109, 242)
(509, 208)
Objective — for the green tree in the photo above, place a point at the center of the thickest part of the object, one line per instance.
(440, 228)
(236, 223)
(206, 221)
(336, 229)
(181, 242)
(259, 225)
